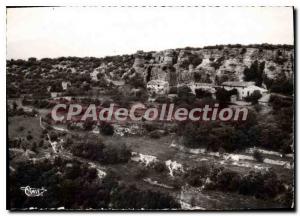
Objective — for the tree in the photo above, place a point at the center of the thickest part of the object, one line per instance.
(228, 180)
(88, 125)
(254, 97)
(258, 156)
(283, 85)
(255, 72)
(200, 93)
(185, 95)
(106, 129)
(243, 51)
(223, 96)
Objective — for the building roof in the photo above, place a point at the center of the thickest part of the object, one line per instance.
(237, 84)
(203, 84)
(157, 82)
(253, 87)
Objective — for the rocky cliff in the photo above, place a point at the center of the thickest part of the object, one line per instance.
(212, 64)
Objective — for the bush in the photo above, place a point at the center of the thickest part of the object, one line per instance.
(197, 175)
(92, 151)
(200, 93)
(260, 185)
(223, 96)
(258, 156)
(254, 97)
(133, 198)
(141, 173)
(115, 153)
(88, 125)
(173, 90)
(21, 128)
(53, 136)
(156, 134)
(243, 51)
(149, 126)
(185, 95)
(106, 129)
(106, 154)
(283, 86)
(160, 167)
(217, 64)
(255, 72)
(228, 180)
(137, 82)
(162, 99)
(29, 137)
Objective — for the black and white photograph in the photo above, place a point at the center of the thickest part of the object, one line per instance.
(150, 108)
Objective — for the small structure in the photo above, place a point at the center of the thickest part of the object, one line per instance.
(157, 87)
(135, 91)
(208, 87)
(168, 57)
(244, 89)
(55, 94)
(65, 85)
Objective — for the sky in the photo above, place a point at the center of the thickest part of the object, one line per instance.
(101, 31)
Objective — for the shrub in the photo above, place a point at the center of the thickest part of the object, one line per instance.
(258, 156)
(106, 129)
(156, 134)
(92, 151)
(197, 175)
(106, 154)
(29, 137)
(53, 136)
(255, 72)
(217, 64)
(200, 93)
(173, 90)
(141, 173)
(185, 95)
(254, 97)
(223, 96)
(115, 153)
(243, 51)
(162, 99)
(21, 128)
(159, 167)
(228, 180)
(88, 125)
(283, 85)
(176, 183)
(125, 197)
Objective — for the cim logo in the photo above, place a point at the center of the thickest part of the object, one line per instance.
(33, 192)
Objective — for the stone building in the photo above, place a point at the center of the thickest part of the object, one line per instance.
(244, 89)
(157, 87)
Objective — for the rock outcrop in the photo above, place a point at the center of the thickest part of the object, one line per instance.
(211, 64)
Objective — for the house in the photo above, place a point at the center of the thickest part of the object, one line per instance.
(157, 87)
(65, 85)
(208, 87)
(244, 89)
(55, 94)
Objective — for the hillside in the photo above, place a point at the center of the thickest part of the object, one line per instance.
(215, 64)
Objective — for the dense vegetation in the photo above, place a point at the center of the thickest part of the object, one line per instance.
(274, 133)
(262, 185)
(74, 185)
(96, 150)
